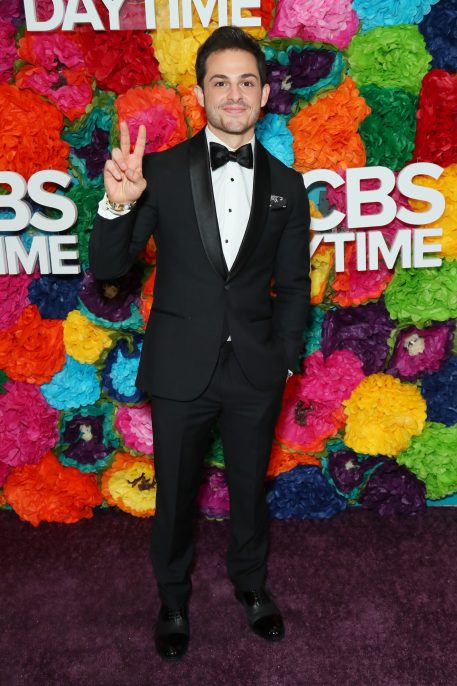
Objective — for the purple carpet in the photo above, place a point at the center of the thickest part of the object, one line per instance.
(367, 601)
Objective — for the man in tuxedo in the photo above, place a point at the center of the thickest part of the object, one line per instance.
(229, 220)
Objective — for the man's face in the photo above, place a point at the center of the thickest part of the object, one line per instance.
(232, 94)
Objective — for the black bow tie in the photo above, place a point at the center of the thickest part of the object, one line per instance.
(220, 155)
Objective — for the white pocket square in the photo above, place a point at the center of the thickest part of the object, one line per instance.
(277, 202)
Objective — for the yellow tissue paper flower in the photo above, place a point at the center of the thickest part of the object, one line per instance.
(176, 49)
(383, 415)
(83, 340)
(321, 264)
(130, 484)
(313, 210)
(447, 185)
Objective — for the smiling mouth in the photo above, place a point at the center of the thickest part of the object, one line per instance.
(234, 109)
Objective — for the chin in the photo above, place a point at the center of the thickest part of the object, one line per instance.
(236, 126)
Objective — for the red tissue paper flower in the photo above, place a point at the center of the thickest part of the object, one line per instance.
(32, 350)
(353, 287)
(436, 139)
(160, 109)
(265, 12)
(58, 71)
(26, 146)
(50, 492)
(119, 60)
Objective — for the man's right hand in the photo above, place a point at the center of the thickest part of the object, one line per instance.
(123, 173)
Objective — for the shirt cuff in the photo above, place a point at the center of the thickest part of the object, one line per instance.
(105, 212)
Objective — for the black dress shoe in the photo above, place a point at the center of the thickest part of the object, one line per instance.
(172, 633)
(263, 616)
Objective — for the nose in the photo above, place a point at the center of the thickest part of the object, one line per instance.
(235, 92)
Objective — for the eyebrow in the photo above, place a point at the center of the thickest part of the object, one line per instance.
(242, 76)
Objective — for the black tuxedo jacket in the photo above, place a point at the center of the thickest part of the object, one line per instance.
(195, 296)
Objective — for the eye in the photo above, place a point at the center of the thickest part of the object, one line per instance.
(248, 84)
(219, 84)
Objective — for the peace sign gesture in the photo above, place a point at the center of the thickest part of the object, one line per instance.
(123, 175)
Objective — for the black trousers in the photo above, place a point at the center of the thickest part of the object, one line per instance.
(247, 417)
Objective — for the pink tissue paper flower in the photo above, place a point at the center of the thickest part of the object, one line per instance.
(28, 425)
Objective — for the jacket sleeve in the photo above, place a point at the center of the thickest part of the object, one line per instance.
(115, 243)
(292, 281)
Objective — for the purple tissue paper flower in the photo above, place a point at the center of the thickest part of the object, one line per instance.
(348, 469)
(112, 299)
(95, 153)
(421, 350)
(363, 329)
(392, 490)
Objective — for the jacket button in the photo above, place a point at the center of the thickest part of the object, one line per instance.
(227, 287)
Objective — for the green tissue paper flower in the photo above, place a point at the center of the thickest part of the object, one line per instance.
(3, 379)
(420, 296)
(387, 143)
(313, 331)
(432, 457)
(389, 56)
(215, 454)
(86, 200)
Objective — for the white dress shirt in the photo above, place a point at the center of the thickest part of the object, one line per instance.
(232, 188)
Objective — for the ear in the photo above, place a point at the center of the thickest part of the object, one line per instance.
(265, 94)
(199, 95)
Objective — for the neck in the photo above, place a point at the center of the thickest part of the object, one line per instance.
(233, 140)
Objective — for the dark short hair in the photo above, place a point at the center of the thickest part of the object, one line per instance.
(229, 38)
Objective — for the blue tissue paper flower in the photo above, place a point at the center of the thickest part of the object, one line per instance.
(120, 371)
(74, 386)
(439, 391)
(274, 135)
(439, 29)
(304, 493)
(55, 296)
(387, 13)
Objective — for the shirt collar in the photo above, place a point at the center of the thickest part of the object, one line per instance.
(211, 138)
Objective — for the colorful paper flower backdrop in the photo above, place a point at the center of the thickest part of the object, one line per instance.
(371, 421)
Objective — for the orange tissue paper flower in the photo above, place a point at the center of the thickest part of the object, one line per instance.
(26, 146)
(147, 296)
(148, 254)
(32, 350)
(325, 132)
(50, 492)
(283, 459)
(195, 113)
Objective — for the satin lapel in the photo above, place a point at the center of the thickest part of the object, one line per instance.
(205, 208)
(259, 210)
